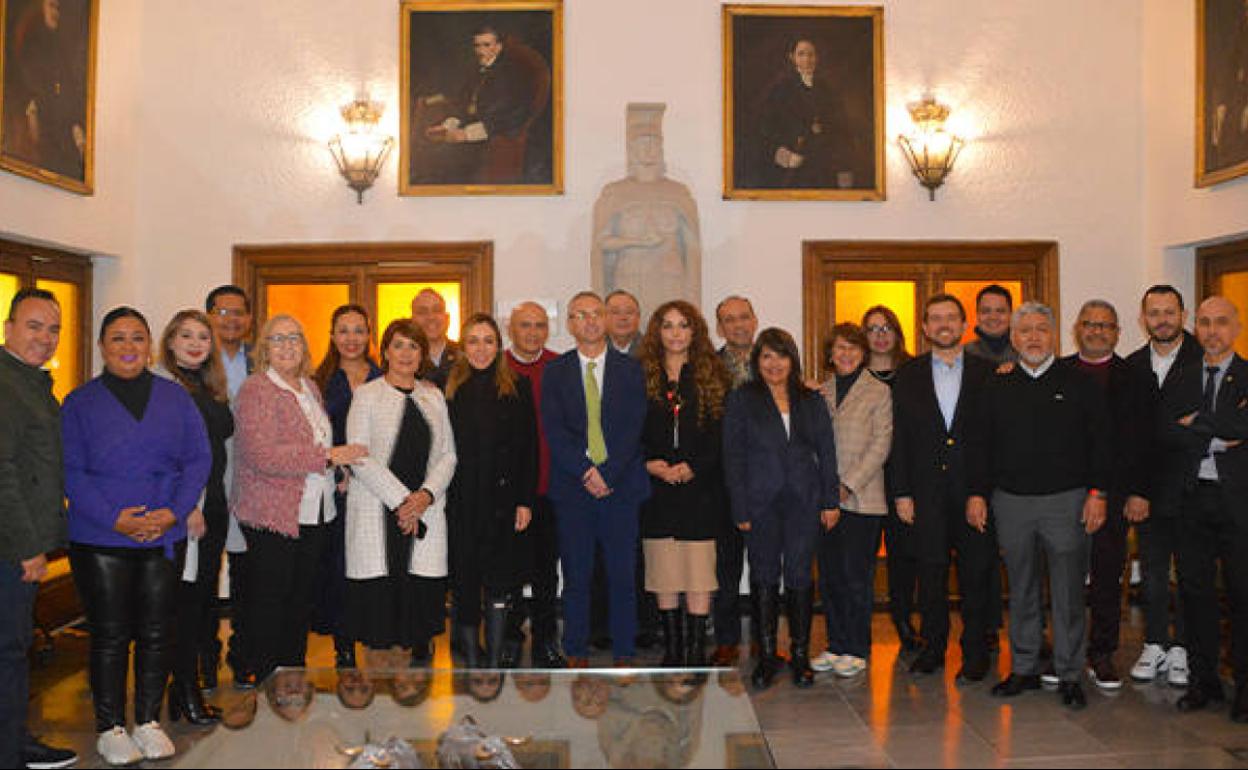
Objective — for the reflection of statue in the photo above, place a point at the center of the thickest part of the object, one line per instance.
(646, 226)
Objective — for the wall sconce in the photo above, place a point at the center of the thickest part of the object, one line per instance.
(361, 153)
(930, 150)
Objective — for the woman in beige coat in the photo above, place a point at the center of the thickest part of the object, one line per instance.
(862, 417)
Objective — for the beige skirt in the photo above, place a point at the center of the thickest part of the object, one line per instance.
(676, 566)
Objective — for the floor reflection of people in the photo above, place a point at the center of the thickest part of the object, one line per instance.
(590, 693)
(355, 688)
(289, 693)
(657, 726)
(411, 688)
(532, 687)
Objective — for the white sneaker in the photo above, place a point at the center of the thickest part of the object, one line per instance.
(849, 666)
(152, 741)
(825, 661)
(1176, 667)
(117, 747)
(1153, 661)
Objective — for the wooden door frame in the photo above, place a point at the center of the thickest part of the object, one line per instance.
(824, 259)
(33, 262)
(471, 263)
(1213, 261)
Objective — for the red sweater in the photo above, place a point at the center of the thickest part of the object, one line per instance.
(534, 372)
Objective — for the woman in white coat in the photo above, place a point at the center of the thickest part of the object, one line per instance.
(396, 503)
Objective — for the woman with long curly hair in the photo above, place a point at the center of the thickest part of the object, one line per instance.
(686, 384)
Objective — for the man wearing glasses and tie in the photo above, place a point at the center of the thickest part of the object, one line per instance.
(593, 408)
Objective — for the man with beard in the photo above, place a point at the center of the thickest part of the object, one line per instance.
(1128, 398)
(1208, 423)
(429, 311)
(935, 397)
(1158, 366)
(1042, 452)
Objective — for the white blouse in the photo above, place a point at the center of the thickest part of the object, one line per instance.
(317, 504)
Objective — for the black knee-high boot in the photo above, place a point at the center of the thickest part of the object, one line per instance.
(801, 606)
(767, 612)
(673, 638)
(695, 640)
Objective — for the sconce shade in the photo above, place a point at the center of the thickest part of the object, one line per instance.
(361, 153)
(930, 150)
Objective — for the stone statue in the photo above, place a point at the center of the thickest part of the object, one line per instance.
(646, 235)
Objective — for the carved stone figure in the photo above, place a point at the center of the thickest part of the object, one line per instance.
(646, 234)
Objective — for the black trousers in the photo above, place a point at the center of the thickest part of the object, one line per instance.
(129, 596)
(1210, 535)
(729, 566)
(211, 548)
(1159, 542)
(190, 600)
(903, 571)
(473, 582)
(1109, 558)
(977, 556)
(17, 604)
(281, 579)
(238, 655)
(543, 607)
(847, 581)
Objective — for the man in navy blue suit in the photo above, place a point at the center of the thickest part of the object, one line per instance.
(593, 407)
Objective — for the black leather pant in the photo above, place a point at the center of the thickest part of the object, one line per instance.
(129, 596)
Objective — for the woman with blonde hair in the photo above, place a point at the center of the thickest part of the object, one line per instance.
(686, 384)
(492, 497)
(188, 355)
(283, 492)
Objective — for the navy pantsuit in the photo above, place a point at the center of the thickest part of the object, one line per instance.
(583, 520)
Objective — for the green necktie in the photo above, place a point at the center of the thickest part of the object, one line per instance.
(593, 414)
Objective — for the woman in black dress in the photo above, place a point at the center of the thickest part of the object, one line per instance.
(188, 355)
(495, 483)
(686, 383)
(396, 531)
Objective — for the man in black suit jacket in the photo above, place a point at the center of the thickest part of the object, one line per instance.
(1208, 424)
(1128, 398)
(1157, 366)
(934, 401)
(597, 480)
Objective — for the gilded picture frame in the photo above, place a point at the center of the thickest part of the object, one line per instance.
(47, 91)
(1221, 91)
(481, 97)
(803, 102)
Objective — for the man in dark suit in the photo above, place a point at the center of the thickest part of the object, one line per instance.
(1209, 422)
(1158, 365)
(934, 400)
(593, 409)
(1128, 398)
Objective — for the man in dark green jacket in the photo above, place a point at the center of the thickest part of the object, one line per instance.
(32, 513)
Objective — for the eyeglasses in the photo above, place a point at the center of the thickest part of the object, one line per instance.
(281, 340)
(878, 329)
(229, 312)
(1099, 326)
(585, 315)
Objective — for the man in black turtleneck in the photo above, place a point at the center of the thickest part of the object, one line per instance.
(1042, 452)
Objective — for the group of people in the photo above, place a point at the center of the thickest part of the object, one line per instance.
(352, 494)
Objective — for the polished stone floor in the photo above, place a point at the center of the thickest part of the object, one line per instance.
(886, 717)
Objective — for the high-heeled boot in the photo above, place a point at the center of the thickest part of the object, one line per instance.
(673, 638)
(185, 700)
(695, 641)
(801, 606)
(767, 612)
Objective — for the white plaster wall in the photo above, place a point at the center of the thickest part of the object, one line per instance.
(1177, 215)
(235, 100)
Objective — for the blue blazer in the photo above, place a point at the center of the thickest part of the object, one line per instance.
(761, 461)
(566, 426)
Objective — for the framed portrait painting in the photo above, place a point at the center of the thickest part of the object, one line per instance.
(47, 91)
(482, 97)
(803, 102)
(1221, 90)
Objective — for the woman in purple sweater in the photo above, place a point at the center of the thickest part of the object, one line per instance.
(136, 460)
